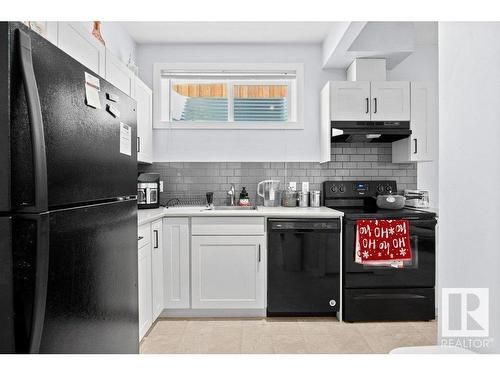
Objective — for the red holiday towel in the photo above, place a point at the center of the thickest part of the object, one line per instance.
(382, 241)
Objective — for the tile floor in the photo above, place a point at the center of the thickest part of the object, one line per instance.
(283, 335)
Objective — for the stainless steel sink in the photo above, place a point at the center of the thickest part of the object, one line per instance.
(235, 208)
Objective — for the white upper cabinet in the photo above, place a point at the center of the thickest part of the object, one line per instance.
(325, 134)
(144, 98)
(421, 144)
(390, 101)
(76, 41)
(370, 101)
(119, 75)
(49, 31)
(228, 272)
(350, 101)
(176, 263)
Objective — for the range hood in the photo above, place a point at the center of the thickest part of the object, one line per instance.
(369, 131)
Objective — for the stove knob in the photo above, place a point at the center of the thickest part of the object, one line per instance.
(380, 188)
(333, 189)
(342, 188)
(388, 188)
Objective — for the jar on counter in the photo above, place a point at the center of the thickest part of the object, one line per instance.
(303, 199)
(289, 199)
(315, 198)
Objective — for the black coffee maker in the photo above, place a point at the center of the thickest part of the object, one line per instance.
(148, 190)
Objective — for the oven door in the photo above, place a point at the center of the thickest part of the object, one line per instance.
(419, 272)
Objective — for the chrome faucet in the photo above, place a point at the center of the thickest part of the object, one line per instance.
(230, 193)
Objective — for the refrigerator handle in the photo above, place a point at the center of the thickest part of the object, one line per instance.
(41, 281)
(36, 124)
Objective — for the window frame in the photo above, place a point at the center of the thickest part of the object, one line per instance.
(162, 88)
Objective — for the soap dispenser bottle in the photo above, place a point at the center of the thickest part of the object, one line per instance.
(244, 200)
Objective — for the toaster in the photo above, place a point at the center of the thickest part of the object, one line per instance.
(417, 198)
(148, 190)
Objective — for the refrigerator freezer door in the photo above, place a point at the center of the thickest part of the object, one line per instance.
(84, 145)
(91, 299)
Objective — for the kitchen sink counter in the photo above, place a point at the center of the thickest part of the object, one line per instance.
(145, 216)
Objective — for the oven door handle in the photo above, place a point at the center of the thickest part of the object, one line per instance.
(389, 296)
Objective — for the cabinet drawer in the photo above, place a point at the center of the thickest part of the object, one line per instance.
(227, 225)
(143, 235)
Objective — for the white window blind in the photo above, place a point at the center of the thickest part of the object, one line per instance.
(228, 96)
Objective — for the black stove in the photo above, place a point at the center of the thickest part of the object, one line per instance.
(383, 293)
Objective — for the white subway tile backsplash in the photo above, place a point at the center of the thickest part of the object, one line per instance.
(349, 161)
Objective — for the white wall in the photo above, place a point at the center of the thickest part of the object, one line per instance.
(422, 65)
(469, 157)
(242, 145)
(117, 39)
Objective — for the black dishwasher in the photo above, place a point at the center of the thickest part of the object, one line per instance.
(303, 277)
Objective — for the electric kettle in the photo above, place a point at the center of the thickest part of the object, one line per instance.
(269, 191)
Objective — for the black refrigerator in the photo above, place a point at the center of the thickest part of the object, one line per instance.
(68, 209)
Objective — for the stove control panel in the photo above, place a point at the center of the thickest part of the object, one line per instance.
(357, 189)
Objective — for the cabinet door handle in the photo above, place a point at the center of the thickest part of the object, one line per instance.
(376, 107)
(156, 238)
(367, 105)
(138, 144)
(415, 144)
(259, 253)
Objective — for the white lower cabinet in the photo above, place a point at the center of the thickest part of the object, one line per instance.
(157, 267)
(150, 275)
(176, 269)
(228, 272)
(145, 285)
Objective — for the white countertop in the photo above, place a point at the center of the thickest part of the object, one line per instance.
(147, 215)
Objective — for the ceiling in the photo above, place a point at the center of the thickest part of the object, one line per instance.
(228, 32)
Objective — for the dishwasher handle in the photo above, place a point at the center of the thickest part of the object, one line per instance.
(305, 231)
(305, 226)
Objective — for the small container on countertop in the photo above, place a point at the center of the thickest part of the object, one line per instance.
(244, 199)
(303, 199)
(315, 198)
(289, 198)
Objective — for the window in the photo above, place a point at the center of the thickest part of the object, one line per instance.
(228, 96)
